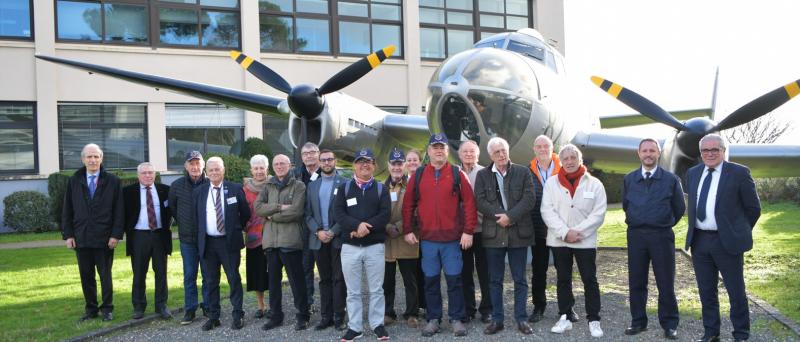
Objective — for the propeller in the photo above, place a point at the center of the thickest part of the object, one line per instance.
(639, 103)
(760, 106)
(304, 100)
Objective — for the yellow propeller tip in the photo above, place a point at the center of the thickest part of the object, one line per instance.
(597, 80)
(235, 54)
(389, 50)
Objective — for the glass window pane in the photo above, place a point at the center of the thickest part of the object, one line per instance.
(101, 114)
(432, 16)
(353, 9)
(16, 113)
(491, 6)
(180, 141)
(399, 2)
(516, 23)
(15, 18)
(220, 29)
(276, 136)
(220, 140)
(312, 6)
(276, 33)
(181, 1)
(16, 149)
(459, 18)
(118, 129)
(488, 34)
(313, 35)
(276, 5)
(125, 23)
(354, 38)
(385, 12)
(519, 7)
(432, 3)
(178, 26)
(460, 4)
(79, 20)
(383, 35)
(431, 43)
(492, 21)
(458, 41)
(220, 3)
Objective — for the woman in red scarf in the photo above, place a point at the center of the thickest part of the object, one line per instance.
(255, 260)
(573, 208)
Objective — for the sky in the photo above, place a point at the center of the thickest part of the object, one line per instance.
(668, 52)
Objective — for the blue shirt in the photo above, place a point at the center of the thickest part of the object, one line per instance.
(325, 188)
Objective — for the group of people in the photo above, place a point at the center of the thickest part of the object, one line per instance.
(425, 219)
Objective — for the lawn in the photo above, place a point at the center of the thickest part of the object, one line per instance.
(772, 268)
(24, 237)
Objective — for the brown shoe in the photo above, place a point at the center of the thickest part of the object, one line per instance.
(493, 328)
(458, 328)
(524, 328)
(412, 322)
(388, 320)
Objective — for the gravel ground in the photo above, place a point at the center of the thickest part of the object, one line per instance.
(612, 276)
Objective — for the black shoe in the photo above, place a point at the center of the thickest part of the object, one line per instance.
(211, 324)
(137, 315)
(87, 316)
(205, 313)
(271, 324)
(536, 316)
(259, 314)
(268, 314)
(572, 317)
(323, 324)
(709, 339)
(188, 317)
(493, 328)
(671, 334)
(107, 316)
(381, 334)
(467, 319)
(487, 318)
(301, 325)
(164, 313)
(635, 330)
(524, 328)
(340, 325)
(237, 323)
(351, 335)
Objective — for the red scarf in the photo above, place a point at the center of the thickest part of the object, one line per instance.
(571, 180)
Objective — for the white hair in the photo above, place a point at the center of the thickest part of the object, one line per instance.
(722, 143)
(496, 141)
(259, 159)
(217, 160)
(141, 167)
(570, 148)
(546, 138)
(88, 146)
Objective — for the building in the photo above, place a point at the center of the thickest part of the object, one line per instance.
(48, 112)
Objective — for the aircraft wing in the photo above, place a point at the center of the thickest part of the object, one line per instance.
(639, 119)
(409, 130)
(767, 161)
(609, 152)
(232, 97)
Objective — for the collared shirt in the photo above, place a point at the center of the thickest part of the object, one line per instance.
(652, 172)
(211, 211)
(143, 223)
(89, 177)
(711, 221)
(325, 189)
(499, 176)
(545, 173)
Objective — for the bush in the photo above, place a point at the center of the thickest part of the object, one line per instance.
(253, 146)
(27, 211)
(612, 182)
(774, 190)
(236, 168)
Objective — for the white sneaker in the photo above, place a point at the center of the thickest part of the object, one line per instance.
(563, 325)
(594, 328)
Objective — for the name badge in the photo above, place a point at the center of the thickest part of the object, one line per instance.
(351, 202)
(314, 176)
(335, 191)
(231, 200)
(588, 195)
(393, 195)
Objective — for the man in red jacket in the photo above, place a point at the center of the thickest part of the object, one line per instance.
(446, 217)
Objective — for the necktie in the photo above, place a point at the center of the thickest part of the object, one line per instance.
(92, 186)
(701, 203)
(151, 210)
(647, 175)
(218, 207)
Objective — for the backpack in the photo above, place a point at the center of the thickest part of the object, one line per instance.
(456, 181)
(347, 187)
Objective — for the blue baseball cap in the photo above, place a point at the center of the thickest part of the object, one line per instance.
(364, 153)
(397, 155)
(193, 155)
(438, 138)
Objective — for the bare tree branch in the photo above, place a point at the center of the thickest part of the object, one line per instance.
(764, 130)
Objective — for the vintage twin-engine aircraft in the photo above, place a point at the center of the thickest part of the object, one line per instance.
(510, 85)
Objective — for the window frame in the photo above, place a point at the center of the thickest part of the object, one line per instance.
(239, 129)
(103, 41)
(34, 127)
(32, 36)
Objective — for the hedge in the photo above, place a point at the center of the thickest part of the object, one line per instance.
(236, 168)
(27, 211)
(253, 146)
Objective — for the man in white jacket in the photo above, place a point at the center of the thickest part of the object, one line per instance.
(573, 208)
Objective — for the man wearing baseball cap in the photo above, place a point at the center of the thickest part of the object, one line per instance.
(446, 217)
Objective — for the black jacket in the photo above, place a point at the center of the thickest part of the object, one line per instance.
(539, 228)
(181, 206)
(132, 195)
(237, 213)
(92, 221)
(370, 207)
(658, 204)
(518, 187)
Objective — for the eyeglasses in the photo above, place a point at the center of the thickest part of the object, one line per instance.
(710, 150)
(309, 153)
(326, 160)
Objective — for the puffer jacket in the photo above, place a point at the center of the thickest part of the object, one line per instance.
(282, 228)
(518, 188)
(181, 205)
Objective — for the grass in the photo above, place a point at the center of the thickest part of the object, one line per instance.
(772, 268)
(23, 237)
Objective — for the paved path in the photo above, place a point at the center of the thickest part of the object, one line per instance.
(43, 243)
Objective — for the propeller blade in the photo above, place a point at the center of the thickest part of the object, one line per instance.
(262, 72)
(760, 106)
(356, 70)
(638, 103)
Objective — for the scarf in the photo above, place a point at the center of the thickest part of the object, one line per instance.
(255, 186)
(364, 185)
(571, 180)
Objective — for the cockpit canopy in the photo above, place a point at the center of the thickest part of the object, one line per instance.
(526, 42)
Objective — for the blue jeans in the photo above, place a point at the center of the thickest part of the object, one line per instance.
(191, 259)
(517, 261)
(435, 257)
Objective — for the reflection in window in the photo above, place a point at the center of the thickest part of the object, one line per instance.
(79, 20)
(178, 26)
(275, 5)
(102, 22)
(205, 128)
(431, 43)
(276, 136)
(354, 37)
(220, 29)
(312, 6)
(125, 23)
(276, 33)
(220, 3)
(15, 19)
(313, 35)
(17, 138)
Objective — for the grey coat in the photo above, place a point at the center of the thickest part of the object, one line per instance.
(313, 216)
(518, 187)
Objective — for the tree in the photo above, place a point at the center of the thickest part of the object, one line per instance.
(764, 130)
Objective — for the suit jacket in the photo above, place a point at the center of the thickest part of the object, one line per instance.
(93, 221)
(313, 216)
(237, 213)
(132, 198)
(737, 208)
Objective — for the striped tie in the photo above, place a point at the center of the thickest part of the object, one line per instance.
(151, 210)
(218, 207)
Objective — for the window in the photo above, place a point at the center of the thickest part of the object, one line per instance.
(102, 22)
(17, 138)
(15, 19)
(276, 136)
(297, 26)
(201, 127)
(451, 26)
(203, 23)
(119, 129)
(366, 26)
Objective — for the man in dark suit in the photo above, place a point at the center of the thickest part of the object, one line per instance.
(147, 222)
(222, 213)
(92, 224)
(723, 209)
